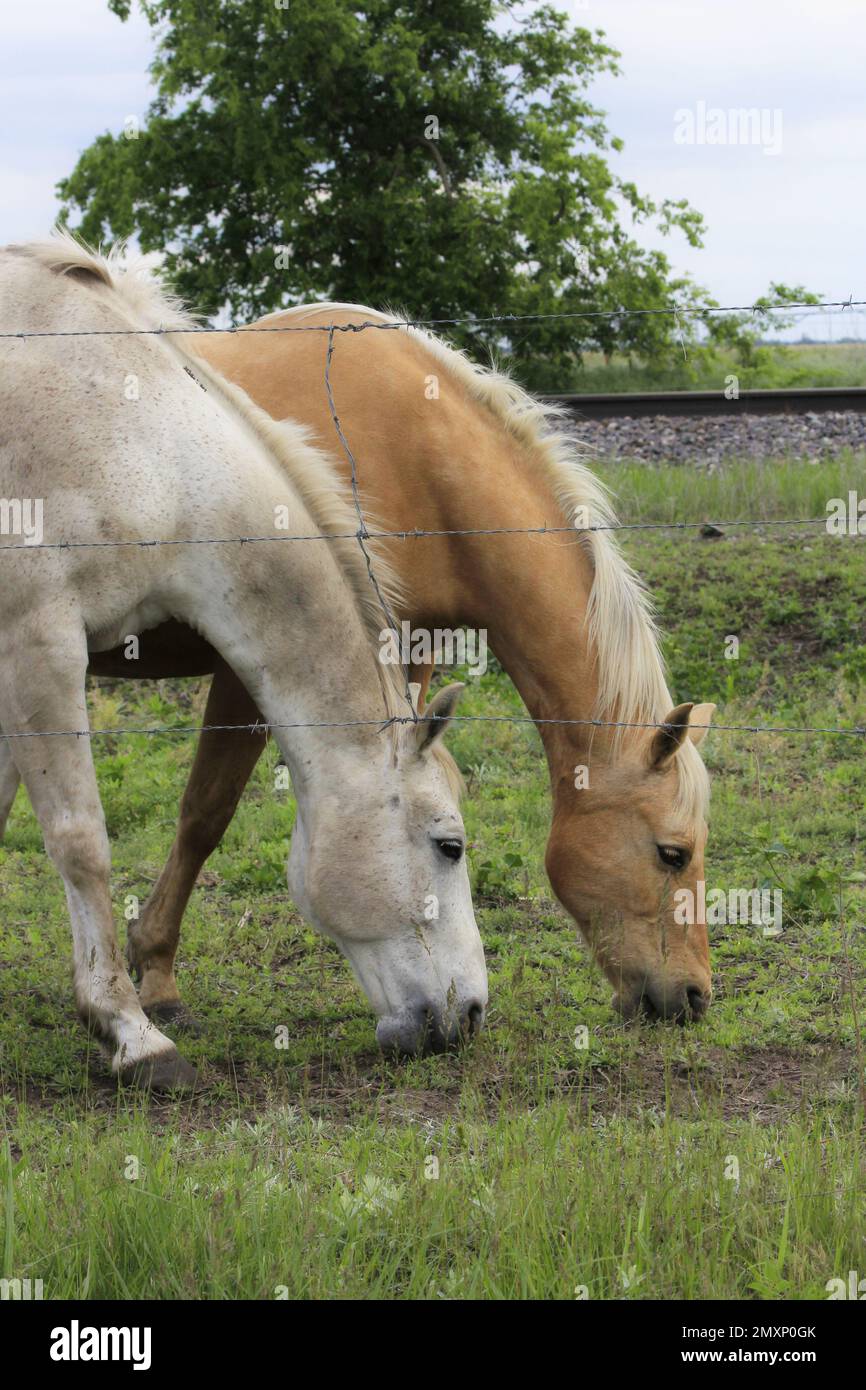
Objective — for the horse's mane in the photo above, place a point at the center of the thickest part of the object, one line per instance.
(144, 303)
(632, 684)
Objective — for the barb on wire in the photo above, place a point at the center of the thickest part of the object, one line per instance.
(362, 534)
(467, 320)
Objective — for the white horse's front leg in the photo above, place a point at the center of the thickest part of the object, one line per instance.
(9, 780)
(42, 689)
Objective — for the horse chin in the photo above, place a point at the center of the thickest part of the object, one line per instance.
(628, 1006)
(402, 1035)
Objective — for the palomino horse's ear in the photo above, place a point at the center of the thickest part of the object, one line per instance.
(701, 717)
(676, 728)
(667, 739)
(437, 715)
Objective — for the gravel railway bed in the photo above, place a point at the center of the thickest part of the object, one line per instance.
(707, 440)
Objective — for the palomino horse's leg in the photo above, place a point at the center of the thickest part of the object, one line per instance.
(42, 690)
(9, 780)
(223, 764)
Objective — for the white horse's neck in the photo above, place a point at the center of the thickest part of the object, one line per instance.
(298, 641)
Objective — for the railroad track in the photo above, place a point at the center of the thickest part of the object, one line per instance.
(817, 399)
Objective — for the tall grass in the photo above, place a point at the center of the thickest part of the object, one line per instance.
(756, 489)
(776, 366)
(549, 1203)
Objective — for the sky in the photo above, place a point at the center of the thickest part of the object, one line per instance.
(784, 201)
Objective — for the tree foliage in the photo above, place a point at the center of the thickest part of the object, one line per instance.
(440, 156)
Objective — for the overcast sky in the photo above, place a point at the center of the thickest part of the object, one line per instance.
(70, 70)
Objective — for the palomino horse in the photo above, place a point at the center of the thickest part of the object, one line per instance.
(116, 438)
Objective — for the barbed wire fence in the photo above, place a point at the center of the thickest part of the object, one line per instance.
(363, 534)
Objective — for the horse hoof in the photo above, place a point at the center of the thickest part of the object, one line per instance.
(168, 1071)
(174, 1015)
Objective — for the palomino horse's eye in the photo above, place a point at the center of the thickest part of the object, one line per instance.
(673, 857)
(452, 849)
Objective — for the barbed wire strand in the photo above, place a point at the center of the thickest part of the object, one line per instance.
(471, 320)
(419, 533)
(265, 727)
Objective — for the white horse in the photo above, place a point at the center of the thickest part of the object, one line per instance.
(117, 440)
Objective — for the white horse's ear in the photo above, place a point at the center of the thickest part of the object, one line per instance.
(437, 716)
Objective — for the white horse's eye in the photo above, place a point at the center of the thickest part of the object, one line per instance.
(452, 849)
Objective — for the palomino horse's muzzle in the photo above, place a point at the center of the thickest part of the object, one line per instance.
(423, 1029)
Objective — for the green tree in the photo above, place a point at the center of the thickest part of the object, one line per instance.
(440, 156)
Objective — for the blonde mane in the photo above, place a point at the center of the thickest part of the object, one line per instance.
(632, 684)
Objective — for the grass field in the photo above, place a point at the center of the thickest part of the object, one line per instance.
(776, 365)
(725, 1160)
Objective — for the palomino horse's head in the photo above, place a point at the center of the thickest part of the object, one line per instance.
(381, 871)
(625, 857)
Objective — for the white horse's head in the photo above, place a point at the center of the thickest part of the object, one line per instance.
(378, 865)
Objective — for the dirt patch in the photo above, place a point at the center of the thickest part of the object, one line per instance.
(767, 1084)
